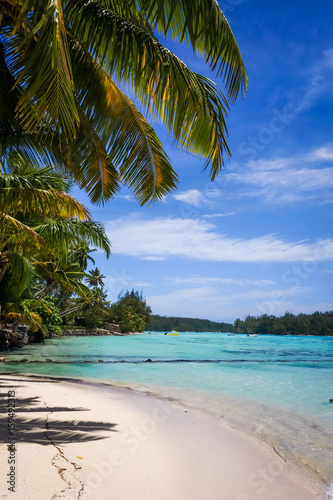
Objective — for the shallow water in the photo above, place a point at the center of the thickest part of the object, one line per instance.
(278, 388)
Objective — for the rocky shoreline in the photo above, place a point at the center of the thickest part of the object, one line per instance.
(10, 339)
(19, 337)
(95, 332)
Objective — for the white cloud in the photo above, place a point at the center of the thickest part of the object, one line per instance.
(153, 257)
(191, 197)
(219, 306)
(202, 280)
(197, 239)
(328, 58)
(324, 153)
(288, 180)
(319, 77)
(212, 216)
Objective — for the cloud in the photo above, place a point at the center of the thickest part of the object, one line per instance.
(153, 257)
(191, 197)
(288, 180)
(211, 216)
(202, 280)
(199, 240)
(214, 304)
(324, 153)
(319, 77)
(328, 58)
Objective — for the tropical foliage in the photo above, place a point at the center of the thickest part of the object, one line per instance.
(169, 323)
(130, 311)
(64, 66)
(318, 323)
(41, 229)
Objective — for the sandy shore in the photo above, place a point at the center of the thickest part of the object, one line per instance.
(80, 441)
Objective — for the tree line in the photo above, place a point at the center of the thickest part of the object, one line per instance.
(318, 323)
(169, 323)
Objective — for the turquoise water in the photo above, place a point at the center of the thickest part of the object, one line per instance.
(275, 387)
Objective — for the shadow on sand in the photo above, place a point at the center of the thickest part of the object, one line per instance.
(32, 429)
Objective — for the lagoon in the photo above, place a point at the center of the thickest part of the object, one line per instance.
(276, 388)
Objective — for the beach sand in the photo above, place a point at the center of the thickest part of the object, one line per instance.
(85, 441)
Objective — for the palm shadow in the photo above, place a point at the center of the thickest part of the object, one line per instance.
(43, 428)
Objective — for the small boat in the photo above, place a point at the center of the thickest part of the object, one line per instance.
(171, 333)
(252, 335)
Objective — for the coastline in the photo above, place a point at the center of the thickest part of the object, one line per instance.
(86, 439)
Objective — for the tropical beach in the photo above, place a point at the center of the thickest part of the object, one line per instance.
(166, 256)
(96, 442)
(197, 412)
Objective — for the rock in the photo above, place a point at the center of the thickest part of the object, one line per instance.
(330, 401)
(48, 360)
(149, 360)
(122, 361)
(24, 360)
(2, 359)
(100, 361)
(85, 361)
(12, 338)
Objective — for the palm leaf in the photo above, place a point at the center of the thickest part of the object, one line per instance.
(62, 232)
(43, 66)
(39, 192)
(198, 24)
(129, 141)
(191, 107)
(89, 163)
(21, 271)
(15, 232)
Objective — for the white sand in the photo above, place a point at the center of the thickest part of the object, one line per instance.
(79, 441)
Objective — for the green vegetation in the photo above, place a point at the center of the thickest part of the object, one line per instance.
(317, 323)
(62, 64)
(41, 228)
(64, 118)
(167, 324)
(131, 312)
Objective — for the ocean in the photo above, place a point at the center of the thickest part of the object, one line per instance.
(276, 388)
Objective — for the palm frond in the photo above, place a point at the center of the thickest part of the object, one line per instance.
(15, 232)
(20, 146)
(47, 102)
(8, 97)
(129, 141)
(198, 24)
(89, 163)
(62, 232)
(21, 271)
(39, 192)
(191, 107)
(21, 312)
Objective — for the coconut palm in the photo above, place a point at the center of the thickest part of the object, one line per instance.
(80, 253)
(95, 278)
(64, 65)
(39, 221)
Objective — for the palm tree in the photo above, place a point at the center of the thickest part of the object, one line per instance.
(65, 65)
(80, 253)
(39, 221)
(95, 278)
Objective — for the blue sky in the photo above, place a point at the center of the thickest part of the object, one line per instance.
(258, 239)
